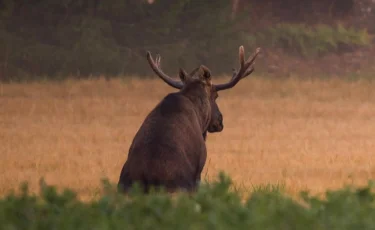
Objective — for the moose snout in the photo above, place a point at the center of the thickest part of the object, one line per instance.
(220, 118)
(217, 124)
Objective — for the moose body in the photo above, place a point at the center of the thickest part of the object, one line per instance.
(169, 149)
(160, 155)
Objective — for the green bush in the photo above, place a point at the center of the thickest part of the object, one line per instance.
(312, 41)
(214, 206)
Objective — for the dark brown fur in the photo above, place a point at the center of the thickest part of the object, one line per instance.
(169, 149)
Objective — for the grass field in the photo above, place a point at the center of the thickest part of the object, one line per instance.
(301, 134)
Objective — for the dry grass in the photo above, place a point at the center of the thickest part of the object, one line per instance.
(310, 134)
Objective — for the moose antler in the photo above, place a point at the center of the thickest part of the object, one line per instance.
(155, 65)
(245, 70)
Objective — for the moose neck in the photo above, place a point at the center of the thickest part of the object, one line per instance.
(197, 94)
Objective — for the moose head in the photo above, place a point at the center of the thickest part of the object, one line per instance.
(202, 75)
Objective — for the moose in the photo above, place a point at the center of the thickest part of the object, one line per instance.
(169, 149)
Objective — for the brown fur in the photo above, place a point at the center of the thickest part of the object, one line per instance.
(169, 149)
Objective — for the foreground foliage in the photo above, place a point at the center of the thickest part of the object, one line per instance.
(214, 206)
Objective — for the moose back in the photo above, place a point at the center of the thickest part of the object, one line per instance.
(169, 149)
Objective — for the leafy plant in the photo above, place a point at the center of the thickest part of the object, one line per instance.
(214, 206)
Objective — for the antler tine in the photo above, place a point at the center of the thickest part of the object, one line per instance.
(243, 72)
(157, 60)
(155, 65)
(248, 72)
(241, 54)
(249, 61)
(234, 72)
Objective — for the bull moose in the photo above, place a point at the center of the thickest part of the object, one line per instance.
(169, 149)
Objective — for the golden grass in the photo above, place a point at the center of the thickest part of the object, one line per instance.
(306, 134)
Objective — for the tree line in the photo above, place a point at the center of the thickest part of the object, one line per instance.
(41, 38)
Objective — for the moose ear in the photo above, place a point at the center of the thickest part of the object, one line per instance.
(183, 75)
(205, 72)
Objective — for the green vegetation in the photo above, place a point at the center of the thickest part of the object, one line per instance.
(40, 39)
(214, 206)
(311, 41)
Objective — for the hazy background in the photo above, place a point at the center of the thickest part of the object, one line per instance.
(304, 120)
(79, 38)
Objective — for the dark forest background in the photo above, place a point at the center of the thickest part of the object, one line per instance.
(81, 38)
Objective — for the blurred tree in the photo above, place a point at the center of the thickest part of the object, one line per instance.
(43, 37)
